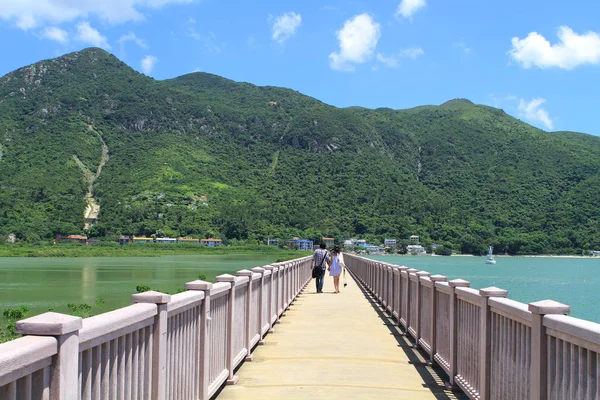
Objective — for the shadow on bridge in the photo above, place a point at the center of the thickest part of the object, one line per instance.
(432, 375)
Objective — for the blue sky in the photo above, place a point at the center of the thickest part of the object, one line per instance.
(537, 60)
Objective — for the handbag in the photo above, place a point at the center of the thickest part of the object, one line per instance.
(318, 271)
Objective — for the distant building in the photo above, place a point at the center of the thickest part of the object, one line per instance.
(329, 242)
(12, 238)
(349, 244)
(272, 242)
(416, 250)
(361, 243)
(166, 240)
(212, 242)
(414, 239)
(299, 244)
(143, 239)
(389, 242)
(124, 240)
(188, 240)
(595, 253)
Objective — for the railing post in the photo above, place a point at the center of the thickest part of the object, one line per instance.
(232, 380)
(399, 293)
(408, 296)
(420, 274)
(274, 292)
(453, 323)
(485, 338)
(159, 341)
(261, 298)
(204, 340)
(64, 378)
(247, 273)
(433, 314)
(539, 346)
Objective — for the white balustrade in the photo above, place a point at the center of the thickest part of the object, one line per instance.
(184, 346)
(491, 347)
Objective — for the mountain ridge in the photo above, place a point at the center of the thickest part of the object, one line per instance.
(466, 174)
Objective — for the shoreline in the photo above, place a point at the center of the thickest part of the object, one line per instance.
(495, 256)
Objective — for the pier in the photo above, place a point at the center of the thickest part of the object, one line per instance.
(394, 332)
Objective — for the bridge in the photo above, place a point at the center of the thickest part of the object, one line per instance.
(394, 332)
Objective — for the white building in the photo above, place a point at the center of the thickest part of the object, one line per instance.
(166, 240)
(389, 242)
(416, 250)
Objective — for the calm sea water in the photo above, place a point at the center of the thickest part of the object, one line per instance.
(575, 282)
(43, 283)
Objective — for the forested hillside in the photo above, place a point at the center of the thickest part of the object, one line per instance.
(275, 163)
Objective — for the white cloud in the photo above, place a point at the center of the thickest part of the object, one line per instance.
(407, 8)
(56, 34)
(89, 35)
(148, 63)
(388, 61)
(131, 37)
(412, 53)
(27, 14)
(358, 39)
(533, 112)
(285, 26)
(571, 51)
(462, 45)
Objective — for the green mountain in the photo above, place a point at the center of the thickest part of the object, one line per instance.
(86, 130)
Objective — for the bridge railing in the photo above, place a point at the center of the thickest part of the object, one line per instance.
(491, 347)
(184, 346)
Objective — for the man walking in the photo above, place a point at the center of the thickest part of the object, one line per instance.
(320, 259)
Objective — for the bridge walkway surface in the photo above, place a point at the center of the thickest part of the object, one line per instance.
(336, 346)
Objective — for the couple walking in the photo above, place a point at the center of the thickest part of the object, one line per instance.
(333, 262)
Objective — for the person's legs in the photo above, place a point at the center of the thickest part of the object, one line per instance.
(336, 283)
(320, 280)
(317, 283)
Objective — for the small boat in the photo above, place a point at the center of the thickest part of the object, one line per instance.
(490, 257)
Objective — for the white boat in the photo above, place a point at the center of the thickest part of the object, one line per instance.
(490, 257)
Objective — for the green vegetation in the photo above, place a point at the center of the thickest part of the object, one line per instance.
(138, 250)
(275, 163)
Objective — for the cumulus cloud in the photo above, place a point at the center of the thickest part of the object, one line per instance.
(89, 35)
(571, 51)
(148, 63)
(28, 14)
(358, 39)
(131, 37)
(285, 26)
(533, 112)
(56, 34)
(407, 8)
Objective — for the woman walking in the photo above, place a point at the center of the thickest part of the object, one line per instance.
(335, 269)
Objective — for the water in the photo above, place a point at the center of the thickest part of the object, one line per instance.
(572, 281)
(43, 283)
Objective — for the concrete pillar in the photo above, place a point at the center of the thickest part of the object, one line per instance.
(64, 375)
(433, 314)
(409, 317)
(538, 389)
(261, 298)
(159, 341)
(232, 380)
(485, 338)
(399, 291)
(419, 274)
(242, 273)
(453, 339)
(273, 293)
(204, 340)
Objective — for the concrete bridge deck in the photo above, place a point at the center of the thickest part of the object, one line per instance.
(330, 346)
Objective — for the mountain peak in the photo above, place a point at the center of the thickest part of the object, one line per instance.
(458, 103)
